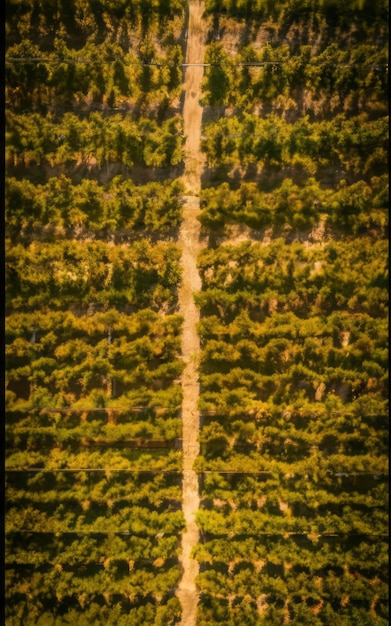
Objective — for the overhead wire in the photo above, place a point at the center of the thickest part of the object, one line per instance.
(150, 470)
(11, 59)
(281, 533)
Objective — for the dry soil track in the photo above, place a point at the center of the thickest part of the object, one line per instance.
(190, 244)
(192, 110)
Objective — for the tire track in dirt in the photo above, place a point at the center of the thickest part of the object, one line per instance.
(192, 110)
(189, 242)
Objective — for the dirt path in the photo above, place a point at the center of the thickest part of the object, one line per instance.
(192, 110)
(189, 241)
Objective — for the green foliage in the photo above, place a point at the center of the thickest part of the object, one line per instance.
(336, 79)
(93, 54)
(355, 208)
(218, 79)
(77, 273)
(93, 335)
(293, 371)
(299, 9)
(119, 205)
(293, 437)
(357, 147)
(66, 360)
(36, 141)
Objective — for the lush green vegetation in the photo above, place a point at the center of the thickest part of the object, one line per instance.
(118, 206)
(298, 124)
(356, 11)
(87, 546)
(294, 440)
(350, 79)
(294, 326)
(78, 273)
(299, 57)
(93, 85)
(93, 431)
(293, 464)
(355, 209)
(106, 359)
(39, 141)
(287, 329)
(353, 148)
(87, 54)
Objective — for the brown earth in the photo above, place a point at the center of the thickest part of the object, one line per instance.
(189, 241)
